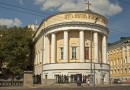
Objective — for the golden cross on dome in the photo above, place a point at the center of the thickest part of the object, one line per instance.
(88, 4)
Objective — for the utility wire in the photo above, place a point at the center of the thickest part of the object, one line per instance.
(60, 18)
(124, 2)
(23, 8)
(119, 32)
(45, 14)
(111, 30)
(21, 11)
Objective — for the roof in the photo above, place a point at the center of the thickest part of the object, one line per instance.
(122, 39)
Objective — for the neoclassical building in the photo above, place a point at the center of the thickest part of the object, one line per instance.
(71, 43)
(119, 59)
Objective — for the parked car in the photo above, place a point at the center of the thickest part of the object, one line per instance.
(117, 81)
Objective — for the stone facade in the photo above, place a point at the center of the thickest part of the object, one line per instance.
(119, 59)
(67, 42)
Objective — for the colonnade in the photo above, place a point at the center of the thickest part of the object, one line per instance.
(50, 57)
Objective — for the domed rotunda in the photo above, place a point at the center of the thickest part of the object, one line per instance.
(72, 43)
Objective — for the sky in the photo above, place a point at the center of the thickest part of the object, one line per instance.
(24, 12)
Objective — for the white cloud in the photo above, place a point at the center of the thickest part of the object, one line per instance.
(104, 7)
(10, 22)
(21, 2)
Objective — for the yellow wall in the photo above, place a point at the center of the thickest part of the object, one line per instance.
(39, 46)
(73, 42)
(115, 61)
(60, 43)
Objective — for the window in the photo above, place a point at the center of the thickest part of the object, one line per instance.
(121, 61)
(73, 52)
(111, 72)
(86, 53)
(61, 53)
(125, 70)
(45, 76)
(121, 70)
(129, 69)
(111, 62)
(118, 71)
(115, 71)
(118, 61)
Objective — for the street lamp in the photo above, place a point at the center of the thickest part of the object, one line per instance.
(101, 73)
(91, 71)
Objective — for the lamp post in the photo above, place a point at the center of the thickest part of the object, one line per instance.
(1, 63)
(101, 73)
(91, 70)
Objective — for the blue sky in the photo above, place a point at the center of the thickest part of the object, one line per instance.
(116, 11)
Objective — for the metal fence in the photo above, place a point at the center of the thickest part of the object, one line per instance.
(11, 83)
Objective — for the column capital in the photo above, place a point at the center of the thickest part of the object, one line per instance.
(66, 30)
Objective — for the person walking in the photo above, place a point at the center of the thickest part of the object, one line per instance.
(88, 82)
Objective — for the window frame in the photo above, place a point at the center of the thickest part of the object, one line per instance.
(61, 53)
(74, 52)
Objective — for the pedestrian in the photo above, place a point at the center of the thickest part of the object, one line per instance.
(88, 82)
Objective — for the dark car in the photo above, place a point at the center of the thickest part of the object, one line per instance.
(117, 81)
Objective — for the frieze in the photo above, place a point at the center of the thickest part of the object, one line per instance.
(84, 16)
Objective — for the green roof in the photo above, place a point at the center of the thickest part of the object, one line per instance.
(122, 39)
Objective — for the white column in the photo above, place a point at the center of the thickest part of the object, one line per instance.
(128, 57)
(46, 49)
(65, 46)
(40, 56)
(44, 52)
(95, 46)
(81, 36)
(53, 47)
(104, 49)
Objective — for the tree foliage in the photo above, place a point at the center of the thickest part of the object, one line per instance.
(15, 47)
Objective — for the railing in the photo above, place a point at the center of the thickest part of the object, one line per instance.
(11, 83)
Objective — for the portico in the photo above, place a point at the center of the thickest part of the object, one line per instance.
(50, 49)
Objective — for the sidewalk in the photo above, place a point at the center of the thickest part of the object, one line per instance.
(15, 88)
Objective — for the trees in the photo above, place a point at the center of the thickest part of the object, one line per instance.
(15, 48)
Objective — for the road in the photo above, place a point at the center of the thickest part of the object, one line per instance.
(114, 87)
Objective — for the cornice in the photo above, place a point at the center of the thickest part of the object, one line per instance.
(76, 24)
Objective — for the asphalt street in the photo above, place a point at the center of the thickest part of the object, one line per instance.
(113, 87)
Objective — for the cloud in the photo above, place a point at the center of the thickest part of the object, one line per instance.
(104, 7)
(21, 2)
(10, 22)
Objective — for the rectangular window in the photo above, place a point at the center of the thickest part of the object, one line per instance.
(73, 52)
(86, 53)
(45, 76)
(61, 53)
